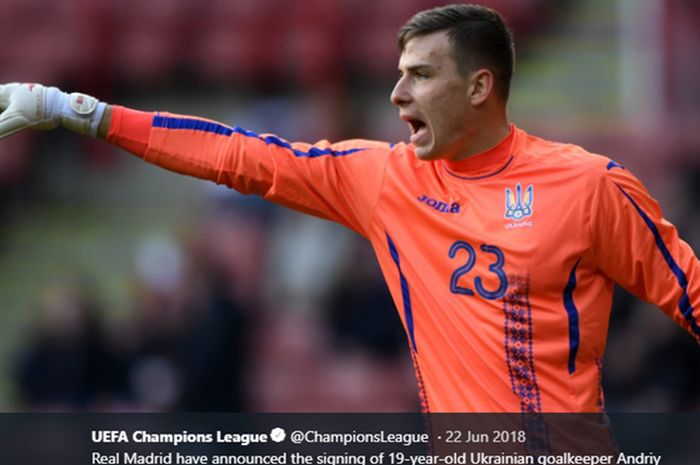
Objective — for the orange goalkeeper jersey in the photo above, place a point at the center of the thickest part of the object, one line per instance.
(501, 266)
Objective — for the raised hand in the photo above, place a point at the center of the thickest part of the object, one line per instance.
(26, 105)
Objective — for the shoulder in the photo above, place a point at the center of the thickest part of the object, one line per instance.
(597, 174)
(567, 159)
(354, 145)
(401, 156)
(566, 155)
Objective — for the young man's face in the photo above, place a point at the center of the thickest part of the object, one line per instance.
(433, 98)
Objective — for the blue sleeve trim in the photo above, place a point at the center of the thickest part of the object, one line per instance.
(684, 303)
(193, 124)
(614, 164)
(572, 312)
(216, 128)
(405, 293)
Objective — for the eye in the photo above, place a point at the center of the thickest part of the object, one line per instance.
(420, 74)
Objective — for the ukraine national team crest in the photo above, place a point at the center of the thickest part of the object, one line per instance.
(519, 203)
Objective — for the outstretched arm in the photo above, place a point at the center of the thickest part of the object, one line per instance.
(340, 182)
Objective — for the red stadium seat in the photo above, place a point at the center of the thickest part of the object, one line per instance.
(223, 47)
(41, 47)
(315, 39)
(149, 40)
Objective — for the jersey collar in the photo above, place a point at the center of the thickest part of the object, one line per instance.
(487, 163)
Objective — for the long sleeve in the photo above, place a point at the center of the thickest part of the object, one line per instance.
(641, 251)
(340, 182)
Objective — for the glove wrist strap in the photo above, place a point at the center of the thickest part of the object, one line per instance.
(78, 112)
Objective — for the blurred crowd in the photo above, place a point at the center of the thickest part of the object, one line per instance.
(218, 324)
(109, 49)
(259, 309)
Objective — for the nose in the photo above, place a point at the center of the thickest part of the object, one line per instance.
(400, 96)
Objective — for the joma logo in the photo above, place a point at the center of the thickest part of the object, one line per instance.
(440, 206)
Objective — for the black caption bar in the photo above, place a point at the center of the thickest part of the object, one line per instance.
(348, 439)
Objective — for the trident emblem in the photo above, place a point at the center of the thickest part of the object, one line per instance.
(519, 206)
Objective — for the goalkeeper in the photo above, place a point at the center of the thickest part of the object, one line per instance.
(500, 249)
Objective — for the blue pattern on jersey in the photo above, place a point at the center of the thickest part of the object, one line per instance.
(684, 303)
(405, 293)
(422, 396)
(518, 344)
(521, 361)
(601, 399)
(216, 128)
(572, 312)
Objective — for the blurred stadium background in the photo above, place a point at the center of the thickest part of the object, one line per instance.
(123, 287)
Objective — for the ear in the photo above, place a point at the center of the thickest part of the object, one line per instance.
(480, 86)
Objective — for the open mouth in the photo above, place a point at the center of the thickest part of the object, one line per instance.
(418, 129)
(415, 124)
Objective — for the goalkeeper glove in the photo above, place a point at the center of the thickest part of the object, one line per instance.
(35, 106)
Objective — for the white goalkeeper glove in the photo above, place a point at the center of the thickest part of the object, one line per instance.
(35, 106)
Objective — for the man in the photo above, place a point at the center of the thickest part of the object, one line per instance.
(500, 249)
